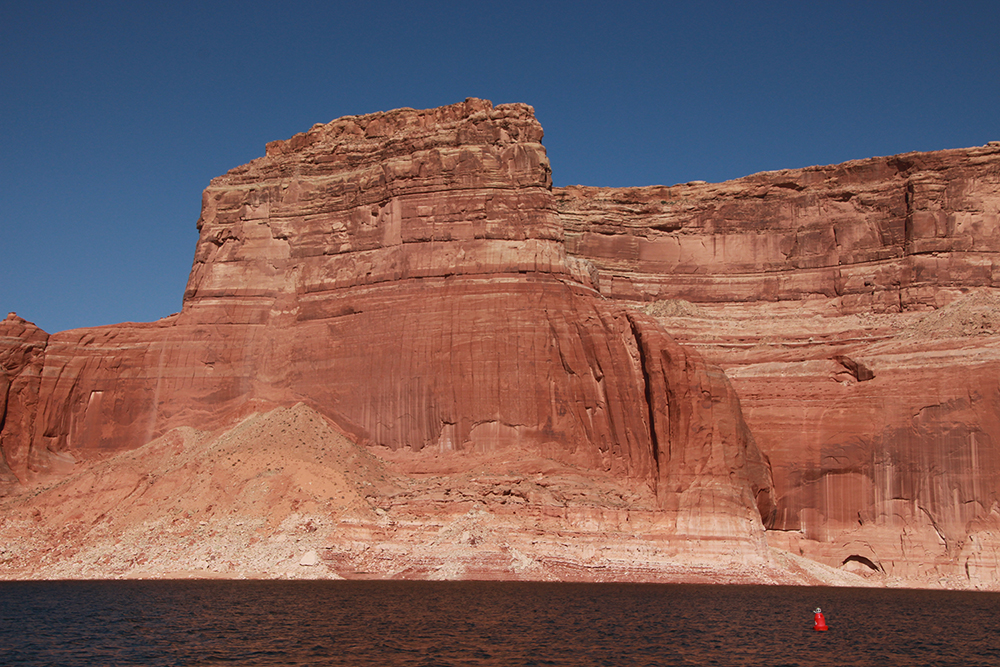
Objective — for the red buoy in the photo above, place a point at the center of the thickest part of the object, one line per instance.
(819, 621)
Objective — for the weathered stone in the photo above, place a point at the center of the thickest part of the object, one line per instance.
(22, 349)
(855, 309)
(403, 277)
(404, 274)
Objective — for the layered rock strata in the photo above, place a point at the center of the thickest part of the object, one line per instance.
(404, 275)
(855, 309)
(876, 235)
(409, 285)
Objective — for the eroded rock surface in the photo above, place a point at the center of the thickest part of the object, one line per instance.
(403, 351)
(855, 309)
(284, 494)
(404, 275)
(878, 235)
(22, 350)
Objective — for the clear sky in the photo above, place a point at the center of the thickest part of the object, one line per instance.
(115, 116)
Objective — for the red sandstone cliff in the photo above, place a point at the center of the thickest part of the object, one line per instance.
(401, 348)
(22, 349)
(403, 275)
(877, 235)
(854, 308)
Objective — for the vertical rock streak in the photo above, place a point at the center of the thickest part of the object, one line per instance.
(649, 393)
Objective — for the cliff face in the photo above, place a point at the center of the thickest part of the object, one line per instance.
(402, 347)
(22, 350)
(404, 275)
(877, 235)
(855, 309)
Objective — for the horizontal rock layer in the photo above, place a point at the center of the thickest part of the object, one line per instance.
(881, 234)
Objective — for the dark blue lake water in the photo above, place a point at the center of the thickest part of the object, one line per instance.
(474, 623)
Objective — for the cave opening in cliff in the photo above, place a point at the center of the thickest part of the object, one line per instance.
(855, 558)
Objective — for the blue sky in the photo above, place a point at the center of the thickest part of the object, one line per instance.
(114, 116)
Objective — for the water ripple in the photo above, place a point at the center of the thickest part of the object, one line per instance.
(419, 624)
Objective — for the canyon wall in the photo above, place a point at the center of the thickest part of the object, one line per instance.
(401, 345)
(855, 309)
(875, 235)
(404, 275)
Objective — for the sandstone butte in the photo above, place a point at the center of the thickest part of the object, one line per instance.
(403, 353)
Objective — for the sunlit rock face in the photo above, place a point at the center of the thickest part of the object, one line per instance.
(855, 309)
(22, 352)
(404, 275)
(409, 284)
(878, 235)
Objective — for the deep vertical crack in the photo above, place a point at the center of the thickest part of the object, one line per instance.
(3, 412)
(648, 391)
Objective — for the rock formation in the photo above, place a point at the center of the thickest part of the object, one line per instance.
(404, 275)
(403, 350)
(22, 349)
(854, 307)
